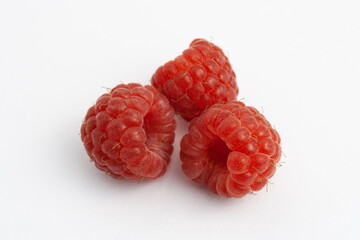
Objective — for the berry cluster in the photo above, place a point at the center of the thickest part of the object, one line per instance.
(129, 132)
(231, 148)
(197, 79)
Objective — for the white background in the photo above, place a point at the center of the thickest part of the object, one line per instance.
(297, 60)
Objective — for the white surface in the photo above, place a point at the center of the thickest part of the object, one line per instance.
(299, 61)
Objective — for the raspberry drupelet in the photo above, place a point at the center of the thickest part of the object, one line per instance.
(231, 148)
(129, 132)
(197, 79)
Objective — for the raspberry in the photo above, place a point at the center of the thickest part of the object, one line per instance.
(231, 148)
(129, 132)
(197, 79)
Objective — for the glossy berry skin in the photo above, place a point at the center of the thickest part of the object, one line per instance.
(197, 79)
(231, 148)
(129, 132)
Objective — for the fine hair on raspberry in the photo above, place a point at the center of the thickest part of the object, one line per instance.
(231, 148)
(198, 78)
(129, 132)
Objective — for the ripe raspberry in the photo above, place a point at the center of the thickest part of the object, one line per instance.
(129, 132)
(231, 148)
(197, 79)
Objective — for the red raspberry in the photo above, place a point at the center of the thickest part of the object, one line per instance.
(197, 79)
(231, 148)
(129, 132)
